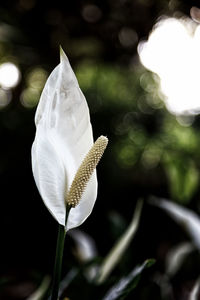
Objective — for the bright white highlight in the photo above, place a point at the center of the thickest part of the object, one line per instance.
(172, 51)
(9, 75)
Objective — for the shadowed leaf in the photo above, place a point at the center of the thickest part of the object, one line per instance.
(185, 217)
(41, 291)
(128, 283)
(120, 247)
(194, 295)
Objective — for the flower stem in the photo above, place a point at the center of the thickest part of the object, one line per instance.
(58, 259)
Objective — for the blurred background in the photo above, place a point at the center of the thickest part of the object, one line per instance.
(137, 62)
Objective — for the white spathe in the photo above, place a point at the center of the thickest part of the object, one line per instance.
(63, 138)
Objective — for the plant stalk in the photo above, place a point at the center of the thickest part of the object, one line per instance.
(58, 259)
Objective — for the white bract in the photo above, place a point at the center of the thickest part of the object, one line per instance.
(63, 138)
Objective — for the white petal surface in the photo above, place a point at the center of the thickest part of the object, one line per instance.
(48, 173)
(63, 138)
(78, 214)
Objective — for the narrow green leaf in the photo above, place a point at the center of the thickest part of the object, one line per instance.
(176, 257)
(120, 247)
(41, 291)
(185, 217)
(128, 283)
(66, 281)
(182, 178)
(194, 294)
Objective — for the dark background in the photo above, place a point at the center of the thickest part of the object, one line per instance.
(99, 37)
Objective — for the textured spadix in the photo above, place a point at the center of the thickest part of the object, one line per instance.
(85, 171)
(63, 138)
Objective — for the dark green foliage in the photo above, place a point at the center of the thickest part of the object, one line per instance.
(126, 284)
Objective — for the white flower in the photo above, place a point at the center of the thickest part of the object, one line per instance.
(63, 138)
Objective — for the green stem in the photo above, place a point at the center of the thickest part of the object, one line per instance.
(58, 259)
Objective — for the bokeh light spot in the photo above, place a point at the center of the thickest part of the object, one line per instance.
(128, 37)
(5, 98)
(37, 78)
(35, 81)
(30, 97)
(151, 156)
(26, 4)
(126, 156)
(91, 13)
(9, 75)
(172, 52)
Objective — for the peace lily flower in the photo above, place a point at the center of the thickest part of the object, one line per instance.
(63, 155)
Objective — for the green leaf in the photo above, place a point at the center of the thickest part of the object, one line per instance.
(176, 257)
(194, 294)
(41, 291)
(66, 281)
(120, 247)
(183, 177)
(185, 217)
(124, 287)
